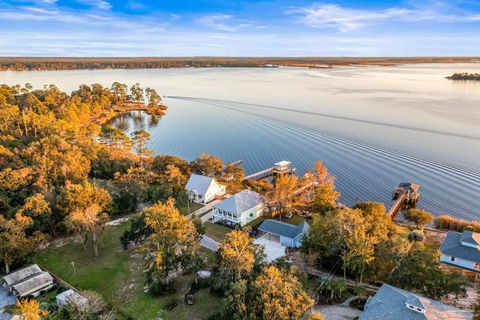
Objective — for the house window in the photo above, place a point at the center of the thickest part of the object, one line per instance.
(452, 259)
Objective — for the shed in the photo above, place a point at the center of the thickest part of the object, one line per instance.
(33, 285)
(71, 297)
(289, 235)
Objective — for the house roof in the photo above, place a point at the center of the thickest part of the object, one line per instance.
(389, 303)
(20, 274)
(240, 202)
(283, 229)
(452, 246)
(199, 184)
(470, 237)
(25, 286)
(409, 186)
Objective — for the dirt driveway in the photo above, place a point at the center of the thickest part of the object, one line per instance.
(337, 312)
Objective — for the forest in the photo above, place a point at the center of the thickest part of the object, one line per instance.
(58, 63)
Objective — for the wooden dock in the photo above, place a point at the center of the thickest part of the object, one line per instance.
(406, 194)
(260, 174)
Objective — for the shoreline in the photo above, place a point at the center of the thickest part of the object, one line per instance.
(62, 63)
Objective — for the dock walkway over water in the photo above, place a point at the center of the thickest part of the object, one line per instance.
(405, 194)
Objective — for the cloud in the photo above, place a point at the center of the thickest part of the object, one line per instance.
(348, 19)
(345, 19)
(99, 4)
(222, 22)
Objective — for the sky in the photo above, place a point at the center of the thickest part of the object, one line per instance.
(113, 28)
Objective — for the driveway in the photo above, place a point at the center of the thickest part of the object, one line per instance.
(209, 243)
(337, 312)
(273, 249)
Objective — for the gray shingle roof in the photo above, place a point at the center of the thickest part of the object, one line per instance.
(283, 229)
(389, 303)
(240, 202)
(199, 183)
(452, 246)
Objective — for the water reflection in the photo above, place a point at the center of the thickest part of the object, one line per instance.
(135, 120)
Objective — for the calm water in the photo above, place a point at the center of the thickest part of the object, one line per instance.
(372, 126)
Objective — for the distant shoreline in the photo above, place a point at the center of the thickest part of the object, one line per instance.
(64, 63)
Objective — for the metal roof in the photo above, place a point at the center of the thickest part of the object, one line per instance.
(199, 184)
(71, 296)
(283, 229)
(240, 202)
(389, 303)
(452, 246)
(20, 274)
(33, 283)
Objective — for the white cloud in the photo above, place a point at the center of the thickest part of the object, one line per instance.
(223, 22)
(345, 19)
(99, 4)
(348, 19)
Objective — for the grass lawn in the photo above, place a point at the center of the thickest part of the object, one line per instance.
(118, 276)
(193, 206)
(216, 231)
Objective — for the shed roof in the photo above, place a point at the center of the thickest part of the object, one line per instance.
(199, 184)
(283, 229)
(71, 296)
(240, 202)
(390, 303)
(39, 280)
(20, 274)
(452, 246)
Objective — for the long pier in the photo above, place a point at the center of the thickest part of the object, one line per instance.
(260, 174)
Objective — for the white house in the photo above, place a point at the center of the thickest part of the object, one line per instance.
(462, 250)
(202, 189)
(239, 209)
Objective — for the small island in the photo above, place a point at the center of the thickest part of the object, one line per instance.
(465, 76)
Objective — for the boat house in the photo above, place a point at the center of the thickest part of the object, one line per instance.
(239, 209)
(202, 189)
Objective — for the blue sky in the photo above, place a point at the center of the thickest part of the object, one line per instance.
(239, 28)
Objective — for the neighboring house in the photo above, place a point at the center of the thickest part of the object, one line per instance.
(239, 209)
(29, 281)
(288, 235)
(202, 189)
(461, 250)
(391, 303)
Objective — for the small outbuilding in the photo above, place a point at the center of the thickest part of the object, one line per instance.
(71, 297)
(288, 235)
(202, 189)
(28, 281)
